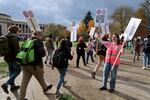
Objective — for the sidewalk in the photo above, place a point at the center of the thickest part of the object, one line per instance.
(133, 83)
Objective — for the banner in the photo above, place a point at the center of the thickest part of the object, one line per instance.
(74, 33)
(92, 31)
(31, 21)
(101, 16)
(131, 28)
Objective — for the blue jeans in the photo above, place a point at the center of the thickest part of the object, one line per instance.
(146, 59)
(14, 71)
(106, 72)
(62, 72)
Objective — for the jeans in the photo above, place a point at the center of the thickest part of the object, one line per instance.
(136, 53)
(146, 59)
(62, 72)
(90, 53)
(106, 72)
(14, 71)
(50, 53)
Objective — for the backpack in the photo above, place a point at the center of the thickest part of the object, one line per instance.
(4, 46)
(147, 46)
(59, 58)
(26, 53)
(101, 50)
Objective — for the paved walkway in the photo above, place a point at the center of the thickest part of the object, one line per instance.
(133, 83)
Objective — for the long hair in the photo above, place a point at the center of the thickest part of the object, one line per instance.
(118, 39)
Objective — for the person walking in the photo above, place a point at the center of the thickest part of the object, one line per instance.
(13, 67)
(35, 68)
(113, 49)
(146, 52)
(137, 48)
(63, 65)
(101, 53)
(80, 50)
(49, 48)
(90, 49)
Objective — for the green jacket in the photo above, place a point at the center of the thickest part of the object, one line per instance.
(14, 46)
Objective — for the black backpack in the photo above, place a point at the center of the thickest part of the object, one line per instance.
(5, 49)
(59, 58)
(101, 50)
(147, 46)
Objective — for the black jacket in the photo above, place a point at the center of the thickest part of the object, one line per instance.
(80, 48)
(14, 47)
(39, 52)
(67, 55)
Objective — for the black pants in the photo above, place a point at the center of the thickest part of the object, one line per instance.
(78, 58)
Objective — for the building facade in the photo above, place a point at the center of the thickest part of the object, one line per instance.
(6, 21)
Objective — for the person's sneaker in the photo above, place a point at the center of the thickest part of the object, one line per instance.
(103, 88)
(47, 89)
(93, 75)
(144, 68)
(14, 88)
(64, 84)
(25, 99)
(111, 90)
(58, 94)
(45, 62)
(5, 88)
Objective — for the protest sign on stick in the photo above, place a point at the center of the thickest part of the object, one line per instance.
(92, 31)
(128, 34)
(31, 21)
(74, 33)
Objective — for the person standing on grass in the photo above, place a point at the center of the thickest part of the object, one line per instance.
(13, 67)
(101, 53)
(35, 68)
(49, 48)
(113, 49)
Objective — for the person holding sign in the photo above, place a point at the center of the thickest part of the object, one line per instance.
(113, 49)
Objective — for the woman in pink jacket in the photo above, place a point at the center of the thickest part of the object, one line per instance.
(113, 49)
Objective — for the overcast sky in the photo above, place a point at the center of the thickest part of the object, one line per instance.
(60, 11)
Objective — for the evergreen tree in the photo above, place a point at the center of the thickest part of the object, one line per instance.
(87, 18)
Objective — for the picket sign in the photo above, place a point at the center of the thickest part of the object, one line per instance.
(74, 33)
(101, 16)
(128, 34)
(92, 31)
(31, 21)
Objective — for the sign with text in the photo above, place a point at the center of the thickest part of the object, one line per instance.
(101, 16)
(74, 33)
(131, 28)
(31, 21)
(92, 31)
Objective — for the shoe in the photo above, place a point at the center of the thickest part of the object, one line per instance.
(14, 88)
(93, 75)
(47, 89)
(25, 99)
(45, 62)
(143, 68)
(64, 84)
(58, 94)
(50, 63)
(111, 90)
(103, 88)
(4, 87)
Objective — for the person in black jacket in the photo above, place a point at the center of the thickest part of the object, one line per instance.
(80, 51)
(14, 68)
(62, 69)
(35, 68)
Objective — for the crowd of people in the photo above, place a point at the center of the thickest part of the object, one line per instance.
(106, 48)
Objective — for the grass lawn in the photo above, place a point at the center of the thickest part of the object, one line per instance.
(3, 69)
